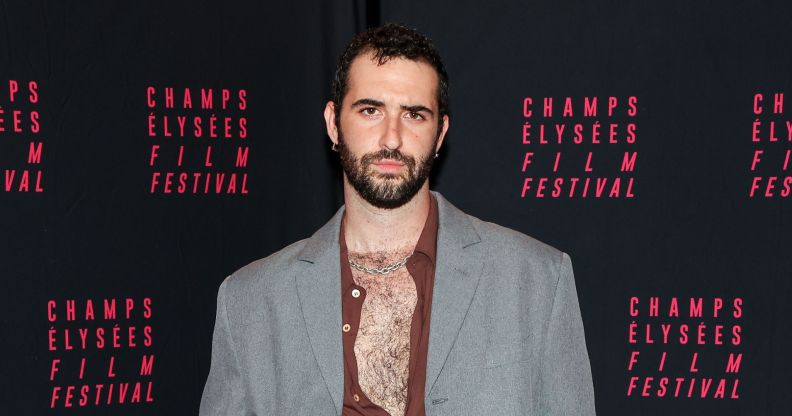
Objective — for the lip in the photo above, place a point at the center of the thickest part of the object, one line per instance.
(388, 162)
(389, 165)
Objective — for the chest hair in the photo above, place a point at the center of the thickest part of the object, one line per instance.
(382, 345)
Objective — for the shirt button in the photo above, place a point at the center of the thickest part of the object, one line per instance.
(355, 397)
(355, 293)
(346, 328)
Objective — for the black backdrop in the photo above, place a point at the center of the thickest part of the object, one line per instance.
(83, 222)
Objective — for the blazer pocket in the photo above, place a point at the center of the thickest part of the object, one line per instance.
(508, 353)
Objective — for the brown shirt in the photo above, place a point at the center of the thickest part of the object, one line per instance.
(421, 266)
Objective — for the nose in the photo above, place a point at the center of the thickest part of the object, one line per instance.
(392, 136)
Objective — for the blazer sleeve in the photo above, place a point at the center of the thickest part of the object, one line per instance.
(222, 394)
(565, 372)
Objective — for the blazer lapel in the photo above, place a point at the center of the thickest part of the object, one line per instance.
(457, 274)
(319, 296)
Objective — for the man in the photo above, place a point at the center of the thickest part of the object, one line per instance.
(401, 304)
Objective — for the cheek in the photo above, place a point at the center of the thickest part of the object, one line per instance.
(357, 130)
(352, 138)
(423, 137)
(416, 133)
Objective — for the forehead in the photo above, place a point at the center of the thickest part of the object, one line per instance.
(406, 81)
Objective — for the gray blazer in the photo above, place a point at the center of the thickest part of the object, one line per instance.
(506, 336)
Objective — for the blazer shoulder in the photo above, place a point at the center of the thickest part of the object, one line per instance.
(506, 240)
(266, 272)
(537, 264)
(521, 260)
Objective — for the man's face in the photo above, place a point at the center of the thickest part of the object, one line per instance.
(388, 130)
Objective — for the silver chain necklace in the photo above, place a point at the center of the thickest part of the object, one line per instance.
(381, 270)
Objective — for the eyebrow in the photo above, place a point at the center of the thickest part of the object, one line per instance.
(368, 102)
(374, 103)
(417, 109)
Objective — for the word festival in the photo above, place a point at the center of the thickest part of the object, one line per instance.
(100, 352)
(556, 131)
(200, 140)
(680, 351)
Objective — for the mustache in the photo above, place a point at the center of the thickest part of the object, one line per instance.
(393, 154)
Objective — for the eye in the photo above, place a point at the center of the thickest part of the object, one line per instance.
(369, 111)
(415, 115)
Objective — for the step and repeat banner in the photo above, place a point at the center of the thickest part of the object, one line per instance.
(148, 150)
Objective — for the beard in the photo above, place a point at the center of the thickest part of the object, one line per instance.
(384, 190)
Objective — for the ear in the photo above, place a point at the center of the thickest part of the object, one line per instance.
(443, 131)
(330, 122)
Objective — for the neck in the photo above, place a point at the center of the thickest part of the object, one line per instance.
(369, 229)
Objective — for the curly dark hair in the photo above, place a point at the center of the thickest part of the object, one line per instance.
(386, 42)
